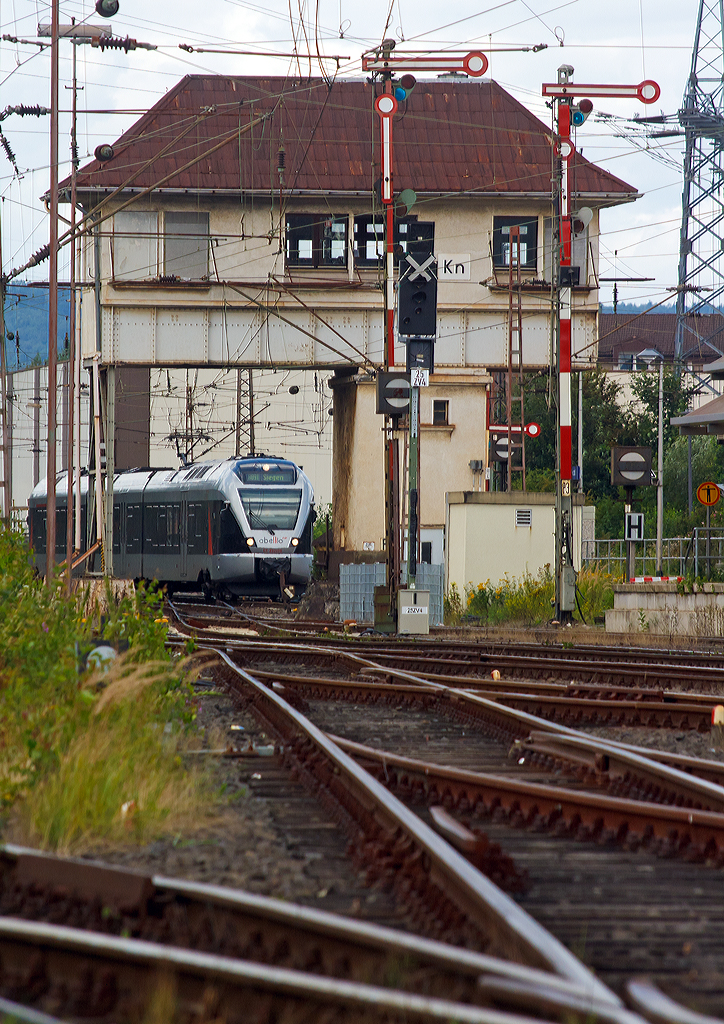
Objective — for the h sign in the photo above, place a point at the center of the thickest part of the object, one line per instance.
(634, 526)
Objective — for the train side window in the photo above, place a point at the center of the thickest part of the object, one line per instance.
(231, 540)
(151, 528)
(133, 529)
(61, 520)
(117, 521)
(196, 529)
(173, 529)
(38, 530)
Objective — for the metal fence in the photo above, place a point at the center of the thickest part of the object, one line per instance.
(700, 554)
(357, 589)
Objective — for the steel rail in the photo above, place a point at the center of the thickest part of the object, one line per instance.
(42, 884)
(534, 667)
(700, 766)
(644, 996)
(117, 978)
(660, 781)
(503, 926)
(15, 1012)
(696, 834)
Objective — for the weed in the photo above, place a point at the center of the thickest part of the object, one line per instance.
(643, 621)
(453, 606)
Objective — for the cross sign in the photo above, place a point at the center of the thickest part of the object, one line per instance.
(420, 268)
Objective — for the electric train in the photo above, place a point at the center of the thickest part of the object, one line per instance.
(241, 527)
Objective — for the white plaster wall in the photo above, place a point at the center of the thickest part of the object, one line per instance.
(157, 324)
(483, 543)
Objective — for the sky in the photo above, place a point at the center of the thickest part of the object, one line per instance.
(621, 41)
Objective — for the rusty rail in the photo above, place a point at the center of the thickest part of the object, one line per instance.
(398, 846)
(111, 978)
(695, 834)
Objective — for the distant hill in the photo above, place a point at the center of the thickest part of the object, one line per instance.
(26, 319)
(631, 308)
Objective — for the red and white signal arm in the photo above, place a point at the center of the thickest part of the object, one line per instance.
(532, 429)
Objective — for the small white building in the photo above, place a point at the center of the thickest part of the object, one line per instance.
(493, 535)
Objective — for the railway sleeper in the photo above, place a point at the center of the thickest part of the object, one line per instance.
(588, 826)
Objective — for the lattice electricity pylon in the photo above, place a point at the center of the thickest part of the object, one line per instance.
(701, 246)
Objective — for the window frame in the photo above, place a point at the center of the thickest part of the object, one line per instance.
(441, 406)
(425, 231)
(135, 242)
(500, 224)
(175, 265)
(318, 230)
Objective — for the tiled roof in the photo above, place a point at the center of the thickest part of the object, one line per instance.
(449, 136)
(631, 334)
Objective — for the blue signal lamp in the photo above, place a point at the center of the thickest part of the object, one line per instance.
(404, 87)
(580, 112)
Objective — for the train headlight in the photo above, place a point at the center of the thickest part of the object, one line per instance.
(295, 541)
(250, 541)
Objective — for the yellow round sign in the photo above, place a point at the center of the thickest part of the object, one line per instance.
(708, 493)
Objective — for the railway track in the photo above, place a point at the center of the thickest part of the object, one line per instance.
(603, 669)
(593, 837)
(417, 848)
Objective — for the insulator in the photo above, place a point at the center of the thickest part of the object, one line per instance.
(8, 152)
(281, 159)
(113, 43)
(39, 256)
(23, 110)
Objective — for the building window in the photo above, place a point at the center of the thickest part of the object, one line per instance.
(134, 246)
(316, 240)
(440, 412)
(426, 552)
(627, 361)
(369, 237)
(528, 241)
(186, 245)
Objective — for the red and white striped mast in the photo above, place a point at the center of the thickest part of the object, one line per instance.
(562, 93)
(382, 62)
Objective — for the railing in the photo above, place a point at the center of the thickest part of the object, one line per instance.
(610, 556)
(700, 554)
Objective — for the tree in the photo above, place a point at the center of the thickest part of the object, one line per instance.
(676, 397)
(605, 424)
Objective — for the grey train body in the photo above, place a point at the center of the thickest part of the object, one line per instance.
(233, 528)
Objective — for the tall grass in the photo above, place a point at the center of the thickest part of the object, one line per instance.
(75, 748)
(120, 777)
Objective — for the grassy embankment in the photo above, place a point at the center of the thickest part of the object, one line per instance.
(528, 599)
(88, 757)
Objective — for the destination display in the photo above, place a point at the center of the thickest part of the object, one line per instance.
(274, 475)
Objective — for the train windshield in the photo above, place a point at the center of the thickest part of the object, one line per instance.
(271, 508)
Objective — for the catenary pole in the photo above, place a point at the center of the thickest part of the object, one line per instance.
(52, 298)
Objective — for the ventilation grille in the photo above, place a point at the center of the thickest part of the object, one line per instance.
(524, 517)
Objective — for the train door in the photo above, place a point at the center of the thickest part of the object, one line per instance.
(184, 539)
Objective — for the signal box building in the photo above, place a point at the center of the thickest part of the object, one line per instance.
(238, 223)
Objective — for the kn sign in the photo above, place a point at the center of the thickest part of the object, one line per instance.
(708, 493)
(454, 267)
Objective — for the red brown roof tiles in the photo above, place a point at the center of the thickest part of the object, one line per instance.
(449, 136)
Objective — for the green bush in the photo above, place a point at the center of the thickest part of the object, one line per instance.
(47, 699)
